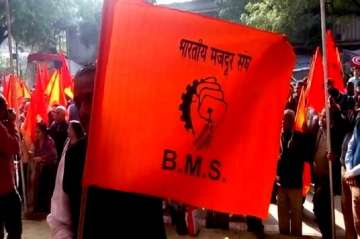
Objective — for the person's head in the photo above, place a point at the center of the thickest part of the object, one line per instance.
(3, 108)
(350, 88)
(288, 120)
(41, 131)
(356, 72)
(60, 114)
(75, 130)
(83, 93)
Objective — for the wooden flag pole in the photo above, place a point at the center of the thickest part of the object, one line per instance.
(328, 134)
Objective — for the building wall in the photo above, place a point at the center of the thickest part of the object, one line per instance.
(347, 31)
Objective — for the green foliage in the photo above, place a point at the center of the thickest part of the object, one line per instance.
(40, 23)
(231, 9)
(298, 19)
(37, 23)
(295, 18)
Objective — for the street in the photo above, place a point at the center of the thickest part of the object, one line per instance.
(40, 230)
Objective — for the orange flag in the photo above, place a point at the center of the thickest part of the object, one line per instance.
(15, 91)
(300, 117)
(334, 63)
(315, 88)
(37, 110)
(185, 108)
(55, 90)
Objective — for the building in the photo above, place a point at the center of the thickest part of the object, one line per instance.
(203, 7)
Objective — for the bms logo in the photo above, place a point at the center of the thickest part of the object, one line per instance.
(202, 109)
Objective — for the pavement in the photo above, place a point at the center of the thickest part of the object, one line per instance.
(40, 230)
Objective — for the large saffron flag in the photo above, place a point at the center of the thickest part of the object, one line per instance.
(315, 94)
(335, 70)
(187, 107)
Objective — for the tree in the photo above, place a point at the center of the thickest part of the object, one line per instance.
(3, 27)
(298, 19)
(39, 23)
(231, 9)
(89, 12)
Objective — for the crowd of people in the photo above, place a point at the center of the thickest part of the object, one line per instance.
(55, 163)
(309, 145)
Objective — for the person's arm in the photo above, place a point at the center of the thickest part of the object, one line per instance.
(350, 151)
(9, 141)
(355, 171)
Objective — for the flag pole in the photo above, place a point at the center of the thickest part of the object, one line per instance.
(328, 134)
(8, 19)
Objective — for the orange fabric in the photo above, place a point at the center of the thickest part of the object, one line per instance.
(173, 122)
(334, 63)
(300, 117)
(315, 88)
(38, 108)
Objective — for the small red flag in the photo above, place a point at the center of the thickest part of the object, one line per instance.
(66, 78)
(315, 88)
(335, 71)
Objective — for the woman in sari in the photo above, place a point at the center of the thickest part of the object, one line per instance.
(42, 169)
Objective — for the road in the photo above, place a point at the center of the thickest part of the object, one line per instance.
(40, 230)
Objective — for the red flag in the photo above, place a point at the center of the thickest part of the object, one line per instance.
(315, 88)
(335, 71)
(179, 116)
(37, 110)
(66, 78)
(300, 117)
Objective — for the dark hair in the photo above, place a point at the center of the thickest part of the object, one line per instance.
(349, 83)
(3, 102)
(78, 129)
(90, 68)
(42, 127)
